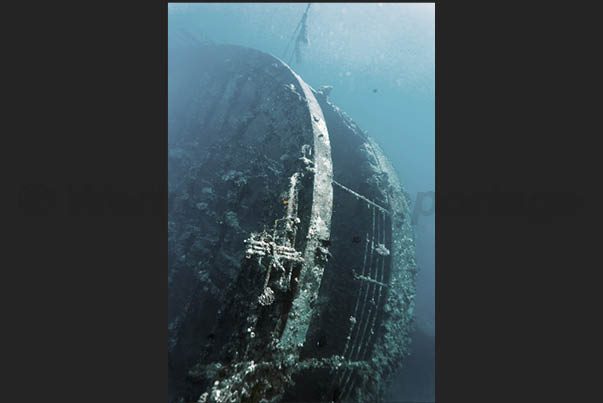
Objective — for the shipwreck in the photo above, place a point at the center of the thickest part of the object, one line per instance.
(291, 272)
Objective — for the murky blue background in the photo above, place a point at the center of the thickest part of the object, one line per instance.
(358, 48)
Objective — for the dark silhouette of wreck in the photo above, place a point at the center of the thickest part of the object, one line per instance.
(291, 272)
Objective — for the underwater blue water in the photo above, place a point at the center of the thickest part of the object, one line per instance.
(380, 60)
